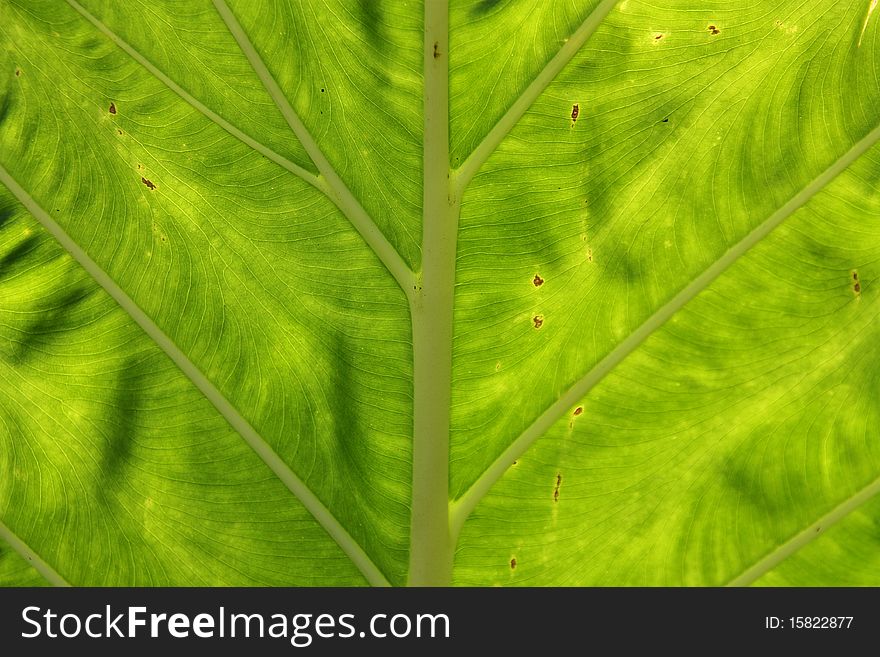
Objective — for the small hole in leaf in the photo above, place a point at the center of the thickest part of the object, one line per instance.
(538, 321)
(537, 281)
(322, 89)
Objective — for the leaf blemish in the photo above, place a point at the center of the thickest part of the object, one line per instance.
(556, 490)
(665, 121)
(436, 50)
(513, 563)
(857, 286)
(538, 320)
(148, 183)
(112, 109)
(579, 410)
(575, 112)
(713, 30)
(537, 281)
(658, 37)
(17, 72)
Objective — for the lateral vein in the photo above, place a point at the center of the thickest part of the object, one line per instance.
(250, 435)
(28, 554)
(520, 106)
(264, 150)
(462, 507)
(806, 536)
(336, 189)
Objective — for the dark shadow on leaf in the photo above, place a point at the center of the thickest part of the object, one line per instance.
(484, 6)
(51, 320)
(123, 425)
(370, 13)
(17, 254)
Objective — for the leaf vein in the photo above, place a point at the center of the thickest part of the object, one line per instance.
(334, 187)
(462, 507)
(521, 105)
(29, 555)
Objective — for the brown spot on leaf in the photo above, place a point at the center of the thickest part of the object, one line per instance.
(537, 281)
(118, 131)
(17, 72)
(579, 410)
(590, 255)
(436, 50)
(857, 286)
(556, 490)
(714, 30)
(112, 109)
(148, 183)
(575, 112)
(538, 321)
(513, 563)
(657, 37)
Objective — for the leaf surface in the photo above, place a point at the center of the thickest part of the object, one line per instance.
(219, 260)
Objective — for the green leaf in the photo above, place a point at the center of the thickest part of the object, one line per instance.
(493, 292)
